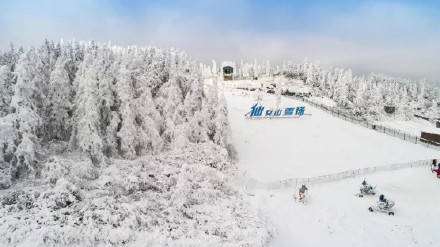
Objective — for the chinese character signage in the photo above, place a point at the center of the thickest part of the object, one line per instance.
(259, 111)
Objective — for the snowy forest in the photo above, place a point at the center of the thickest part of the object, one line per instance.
(110, 145)
(125, 144)
(366, 96)
(245, 70)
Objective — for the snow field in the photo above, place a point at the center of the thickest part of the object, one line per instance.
(413, 127)
(334, 216)
(320, 144)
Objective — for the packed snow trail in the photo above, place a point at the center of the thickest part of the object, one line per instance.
(278, 149)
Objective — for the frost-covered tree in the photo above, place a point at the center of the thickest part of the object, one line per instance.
(108, 101)
(127, 131)
(59, 107)
(25, 105)
(366, 96)
(7, 83)
(86, 133)
(93, 126)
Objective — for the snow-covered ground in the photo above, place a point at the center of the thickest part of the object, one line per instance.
(264, 83)
(270, 150)
(276, 149)
(413, 127)
(335, 217)
(324, 101)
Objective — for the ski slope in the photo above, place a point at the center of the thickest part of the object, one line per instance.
(320, 144)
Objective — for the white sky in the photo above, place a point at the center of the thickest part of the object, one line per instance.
(399, 38)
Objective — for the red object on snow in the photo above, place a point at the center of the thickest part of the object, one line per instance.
(438, 172)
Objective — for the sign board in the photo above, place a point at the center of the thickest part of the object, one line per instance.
(259, 111)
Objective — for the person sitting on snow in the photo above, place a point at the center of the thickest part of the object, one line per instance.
(384, 204)
(302, 192)
(364, 183)
(366, 187)
(382, 199)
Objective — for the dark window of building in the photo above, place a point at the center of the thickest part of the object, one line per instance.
(228, 70)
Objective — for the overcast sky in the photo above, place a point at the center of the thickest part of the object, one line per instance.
(400, 38)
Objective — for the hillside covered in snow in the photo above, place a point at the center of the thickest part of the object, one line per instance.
(329, 154)
(108, 145)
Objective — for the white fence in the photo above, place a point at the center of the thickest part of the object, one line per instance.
(296, 182)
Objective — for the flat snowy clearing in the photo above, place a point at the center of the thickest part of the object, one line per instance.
(335, 217)
(271, 150)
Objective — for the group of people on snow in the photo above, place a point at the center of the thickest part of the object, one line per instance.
(368, 189)
(383, 204)
(365, 189)
(435, 168)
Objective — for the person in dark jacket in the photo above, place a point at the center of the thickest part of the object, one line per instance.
(433, 165)
(385, 204)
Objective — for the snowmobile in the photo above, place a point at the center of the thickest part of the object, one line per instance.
(366, 190)
(383, 207)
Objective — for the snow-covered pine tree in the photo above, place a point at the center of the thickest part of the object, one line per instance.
(25, 105)
(59, 106)
(7, 84)
(86, 132)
